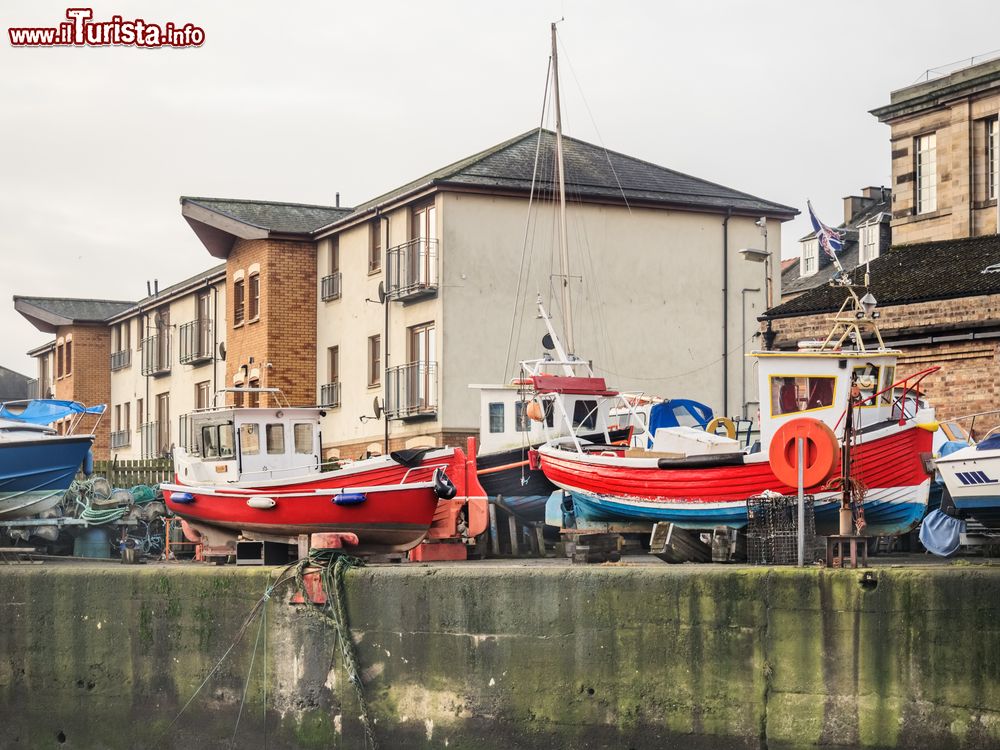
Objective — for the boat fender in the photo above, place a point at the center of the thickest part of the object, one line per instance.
(444, 488)
(820, 452)
(726, 422)
(261, 503)
(534, 411)
(349, 498)
(534, 460)
(181, 497)
(88, 463)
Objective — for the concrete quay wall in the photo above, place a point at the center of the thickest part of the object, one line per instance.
(504, 656)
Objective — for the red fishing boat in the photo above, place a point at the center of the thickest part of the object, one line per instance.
(257, 471)
(834, 394)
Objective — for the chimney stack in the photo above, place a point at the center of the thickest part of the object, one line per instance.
(338, 199)
(149, 289)
(156, 287)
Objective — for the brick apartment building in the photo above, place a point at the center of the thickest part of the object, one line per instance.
(413, 296)
(938, 286)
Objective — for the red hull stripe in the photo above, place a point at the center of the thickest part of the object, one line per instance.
(891, 461)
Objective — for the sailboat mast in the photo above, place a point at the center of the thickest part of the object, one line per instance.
(567, 302)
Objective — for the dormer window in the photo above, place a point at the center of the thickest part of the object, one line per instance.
(810, 257)
(868, 240)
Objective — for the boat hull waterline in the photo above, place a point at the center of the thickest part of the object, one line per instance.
(608, 488)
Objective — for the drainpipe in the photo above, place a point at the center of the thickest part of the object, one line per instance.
(215, 341)
(743, 334)
(725, 311)
(385, 337)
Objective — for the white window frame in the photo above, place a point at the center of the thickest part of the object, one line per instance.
(810, 258)
(925, 168)
(992, 157)
(868, 240)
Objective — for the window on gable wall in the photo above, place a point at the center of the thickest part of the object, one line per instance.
(254, 297)
(238, 295)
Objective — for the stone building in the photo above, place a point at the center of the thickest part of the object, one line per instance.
(938, 286)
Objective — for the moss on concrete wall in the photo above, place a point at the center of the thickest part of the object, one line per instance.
(482, 656)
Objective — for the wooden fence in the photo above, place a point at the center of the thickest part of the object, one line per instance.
(149, 471)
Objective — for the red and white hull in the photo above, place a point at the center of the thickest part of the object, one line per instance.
(889, 462)
(389, 506)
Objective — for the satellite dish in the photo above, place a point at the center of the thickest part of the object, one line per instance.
(222, 350)
(381, 292)
(547, 342)
(376, 406)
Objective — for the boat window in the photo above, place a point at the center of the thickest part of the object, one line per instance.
(791, 393)
(496, 417)
(585, 414)
(867, 380)
(210, 441)
(226, 441)
(303, 437)
(275, 438)
(888, 375)
(249, 439)
(522, 422)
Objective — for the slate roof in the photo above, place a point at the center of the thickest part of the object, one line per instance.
(74, 310)
(908, 274)
(13, 385)
(167, 291)
(286, 218)
(791, 280)
(591, 174)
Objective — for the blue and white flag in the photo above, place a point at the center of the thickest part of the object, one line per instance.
(830, 240)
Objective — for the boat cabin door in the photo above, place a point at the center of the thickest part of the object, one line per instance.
(250, 447)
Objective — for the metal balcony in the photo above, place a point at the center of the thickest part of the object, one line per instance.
(329, 395)
(33, 389)
(331, 287)
(412, 271)
(121, 360)
(412, 391)
(121, 438)
(156, 356)
(196, 342)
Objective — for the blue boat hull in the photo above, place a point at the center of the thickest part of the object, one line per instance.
(888, 512)
(34, 474)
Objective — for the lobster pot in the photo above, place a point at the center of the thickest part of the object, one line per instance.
(773, 529)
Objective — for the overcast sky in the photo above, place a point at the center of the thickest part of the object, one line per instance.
(297, 101)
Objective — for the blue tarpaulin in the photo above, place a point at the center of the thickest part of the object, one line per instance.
(941, 534)
(46, 411)
(678, 412)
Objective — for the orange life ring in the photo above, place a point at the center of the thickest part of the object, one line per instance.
(820, 452)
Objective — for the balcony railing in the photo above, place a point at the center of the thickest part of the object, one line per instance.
(330, 287)
(412, 270)
(150, 439)
(156, 355)
(121, 438)
(411, 391)
(121, 360)
(196, 342)
(33, 388)
(329, 395)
